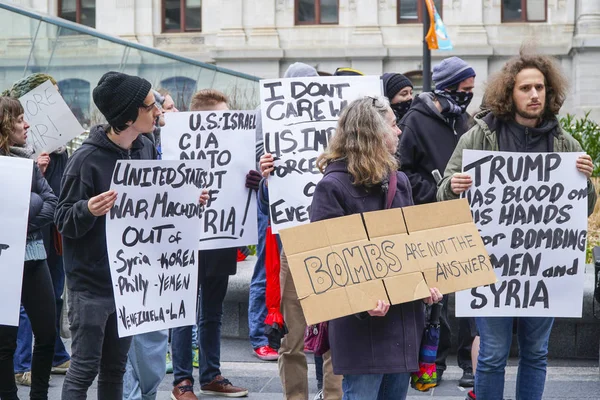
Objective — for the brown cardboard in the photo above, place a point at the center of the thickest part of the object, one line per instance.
(342, 266)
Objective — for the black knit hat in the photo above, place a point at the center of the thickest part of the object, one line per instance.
(393, 83)
(118, 96)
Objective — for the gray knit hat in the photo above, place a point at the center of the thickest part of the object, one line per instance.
(451, 71)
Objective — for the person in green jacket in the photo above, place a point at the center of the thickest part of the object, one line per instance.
(522, 102)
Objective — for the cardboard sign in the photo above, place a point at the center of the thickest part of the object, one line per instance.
(52, 124)
(15, 178)
(225, 141)
(531, 210)
(342, 266)
(299, 116)
(152, 235)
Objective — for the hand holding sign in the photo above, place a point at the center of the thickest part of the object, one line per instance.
(435, 297)
(43, 161)
(101, 204)
(204, 197)
(381, 309)
(585, 165)
(267, 164)
(460, 182)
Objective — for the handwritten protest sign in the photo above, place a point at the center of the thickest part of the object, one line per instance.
(226, 141)
(342, 266)
(15, 179)
(299, 116)
(531, 210)
(152, 235)
(52, 124)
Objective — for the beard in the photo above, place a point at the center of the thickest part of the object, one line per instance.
(530, 115)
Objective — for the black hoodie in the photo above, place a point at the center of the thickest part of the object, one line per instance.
(88, 174)
(427, 142)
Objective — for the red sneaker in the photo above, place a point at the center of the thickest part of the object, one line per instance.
(471, 395)
(266, 353)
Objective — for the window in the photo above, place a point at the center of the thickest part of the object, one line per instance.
(182, 15)
(76, 93)
(411, 11)
(181, 89)
(80, 11)
(524, 10)
(315, 12)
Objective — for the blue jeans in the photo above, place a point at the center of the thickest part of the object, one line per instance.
(257, 307)
(376, 386)
(212, 295)
(145, 365)
(22, 358)
(496, 337)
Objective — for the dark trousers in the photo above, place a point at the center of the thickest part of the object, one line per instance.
(37, 296)
(466, 333)
(96, 348)
(212, 294)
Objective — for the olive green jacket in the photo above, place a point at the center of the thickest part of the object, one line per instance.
(482, 136)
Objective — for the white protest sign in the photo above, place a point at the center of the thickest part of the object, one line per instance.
(225, 140)
(152, 235)
(15, 178)
(52, 124)
(531, 211)
(299, 116)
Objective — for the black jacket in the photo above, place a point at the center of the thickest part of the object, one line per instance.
(426, 144)
(53, 175)
(42, 204)
(88, 174)
(217, 262)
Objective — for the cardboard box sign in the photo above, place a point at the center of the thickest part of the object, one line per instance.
(342, 266)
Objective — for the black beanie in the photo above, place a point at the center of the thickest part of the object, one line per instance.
(118, 96)
(393, 83)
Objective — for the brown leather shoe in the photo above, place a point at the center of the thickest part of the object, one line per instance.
(184, 391)
(222, 387)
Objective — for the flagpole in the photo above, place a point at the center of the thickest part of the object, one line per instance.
(426, 51)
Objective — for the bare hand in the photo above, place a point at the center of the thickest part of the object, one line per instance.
(585, 165)
(203, 197)
(43, 161)
(101, 204)
(266, 164)
(381, 309)
(435, 296)
(460, 182)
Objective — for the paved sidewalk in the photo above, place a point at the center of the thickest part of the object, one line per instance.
(567, 379)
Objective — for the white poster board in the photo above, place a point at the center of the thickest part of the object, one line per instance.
(299, 116)
(225, 141)
(15, 179)
(152, 235)
(52, 124)
(531, 210)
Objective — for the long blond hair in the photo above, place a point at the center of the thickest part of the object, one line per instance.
(361, 140)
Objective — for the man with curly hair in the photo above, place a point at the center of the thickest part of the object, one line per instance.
(522, 101)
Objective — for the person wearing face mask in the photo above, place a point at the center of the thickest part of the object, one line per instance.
(399, 90)
(430, 131)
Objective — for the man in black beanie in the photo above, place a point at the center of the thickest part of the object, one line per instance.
(399, 90)
(129, 107)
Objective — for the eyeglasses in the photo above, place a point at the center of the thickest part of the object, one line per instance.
(148, 107)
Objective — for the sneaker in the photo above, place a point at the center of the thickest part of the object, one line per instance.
(169, 366)
(196, 358)
(184, 391)
(222, 387)
(319, 395)
(266, 353)
(62, 368)
(471, 395)
(467, 380)
(23, 378)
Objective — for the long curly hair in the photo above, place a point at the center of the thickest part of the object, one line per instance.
(10, 109)
(361, 139)
(499, 90)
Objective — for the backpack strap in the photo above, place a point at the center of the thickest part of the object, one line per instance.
(392, 190)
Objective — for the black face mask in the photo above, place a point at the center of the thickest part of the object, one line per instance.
(400, 109)
(462, 99)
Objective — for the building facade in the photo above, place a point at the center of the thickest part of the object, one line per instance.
(263, 37)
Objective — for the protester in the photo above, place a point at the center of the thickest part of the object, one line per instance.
(52, 166)
(37, 295)
(345, 71)
(215, 267)
(523, 100)
(399, 91)
(293, 369)
(128, 105)
(430, 131)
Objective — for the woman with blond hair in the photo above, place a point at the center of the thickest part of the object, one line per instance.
(377, 350)
(37, 295)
